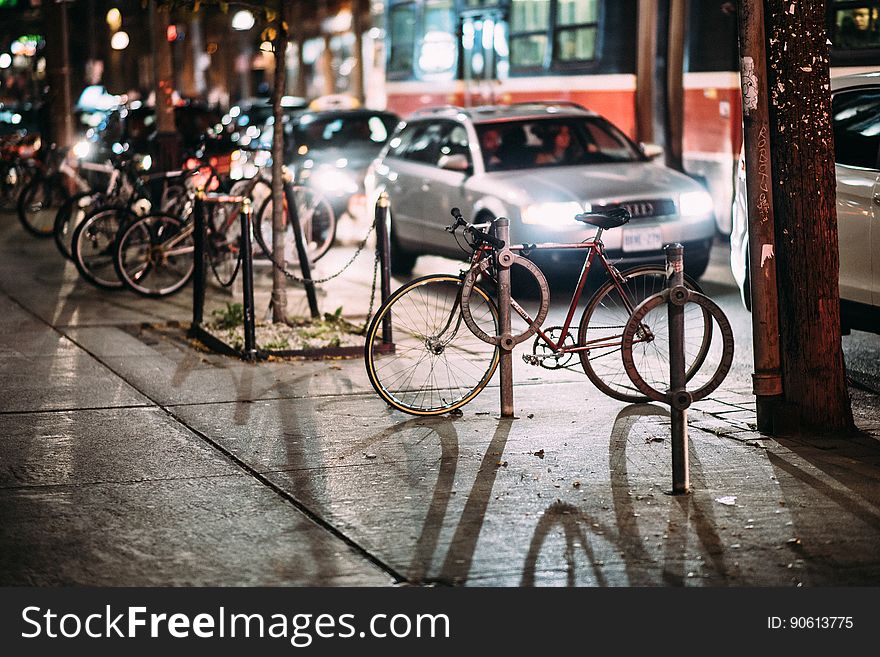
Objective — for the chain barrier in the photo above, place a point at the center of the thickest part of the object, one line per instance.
(316, 281)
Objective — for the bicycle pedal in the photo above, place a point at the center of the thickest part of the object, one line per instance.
(531, 359)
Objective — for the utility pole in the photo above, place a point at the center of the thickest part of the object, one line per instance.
(804, 204)
(767, 378)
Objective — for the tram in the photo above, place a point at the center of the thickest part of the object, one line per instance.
(665, 71)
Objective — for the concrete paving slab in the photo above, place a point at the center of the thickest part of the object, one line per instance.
(67, 381)
(443, 499)
(102, 446)
(212, 531)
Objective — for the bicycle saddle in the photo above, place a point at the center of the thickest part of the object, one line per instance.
(605, 219)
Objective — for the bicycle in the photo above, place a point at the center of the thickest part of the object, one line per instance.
(93, 242)
(437, 366)
(153, 255)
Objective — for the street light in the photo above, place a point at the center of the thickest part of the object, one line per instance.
(243, 20)
(119, 41)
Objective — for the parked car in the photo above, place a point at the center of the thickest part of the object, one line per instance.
(331, 151)
(855, 118)
(539, 165)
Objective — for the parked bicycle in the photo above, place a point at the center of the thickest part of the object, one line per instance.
(446, 331)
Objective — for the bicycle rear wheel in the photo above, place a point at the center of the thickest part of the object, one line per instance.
(93, 244)
(154, 255)
(316, 218)
(436, 364)
(602, 325)
(39, 203)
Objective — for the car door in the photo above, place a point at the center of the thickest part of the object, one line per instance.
(856, 120)
(418, 191)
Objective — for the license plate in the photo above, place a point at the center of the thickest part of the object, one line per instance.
(642, 239)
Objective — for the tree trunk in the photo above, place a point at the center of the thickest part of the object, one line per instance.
(279, 283)
(804, 201)
(60, 102)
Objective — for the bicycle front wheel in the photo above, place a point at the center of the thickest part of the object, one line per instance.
(435, 364)
(601, 330)
(93, 244)
(316, 218)
(154, 255)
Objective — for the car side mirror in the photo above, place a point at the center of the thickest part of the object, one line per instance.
(651, 151)
(457, 162)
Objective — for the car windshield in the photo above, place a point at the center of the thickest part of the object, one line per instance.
(356, 131)
(512, 145)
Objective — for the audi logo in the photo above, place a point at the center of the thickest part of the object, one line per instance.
(640, 209)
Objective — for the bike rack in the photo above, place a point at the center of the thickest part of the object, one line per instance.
(506, 343)
(250, 352)
(676, 296)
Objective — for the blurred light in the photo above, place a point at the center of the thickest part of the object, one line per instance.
(266, 47)
(243, 20)
(171, 33)
(147, 163)
(341, 22)
(17, 48)
(82, 149)
(114, 19)
(234, 111)
(16, 119)
(119, 41)
(5, 60)
(117, 148)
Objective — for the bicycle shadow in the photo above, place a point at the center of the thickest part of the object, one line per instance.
(625, 536)
(459, 556)
(686, 511)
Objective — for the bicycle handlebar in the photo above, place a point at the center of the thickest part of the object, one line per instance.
(479, 236)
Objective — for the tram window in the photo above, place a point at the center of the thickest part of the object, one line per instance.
(529, 23)
(402, 27)
(576, 28)
(856, 119)
(438, 47)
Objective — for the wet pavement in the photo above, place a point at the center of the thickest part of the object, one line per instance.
(130, 457)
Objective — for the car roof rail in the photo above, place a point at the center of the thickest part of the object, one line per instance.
(550, 103)
(439, 109)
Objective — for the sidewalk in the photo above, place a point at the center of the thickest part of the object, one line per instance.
(131, 458)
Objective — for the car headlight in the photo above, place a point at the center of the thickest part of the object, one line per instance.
(694, 204)
(551, 214)
(334, 181)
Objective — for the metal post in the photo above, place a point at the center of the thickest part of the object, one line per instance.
(199, 263)
(247, 272)
(304, 265)
(502, 225)
(767, 379)
(679, 399)
(383, 246)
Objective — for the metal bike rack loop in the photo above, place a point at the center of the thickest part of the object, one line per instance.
(676, 296)
(506, 343)
(247, 271)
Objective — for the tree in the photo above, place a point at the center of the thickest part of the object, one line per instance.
(273, 11)
(804, 202)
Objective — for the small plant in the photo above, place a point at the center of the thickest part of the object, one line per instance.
(229, 317)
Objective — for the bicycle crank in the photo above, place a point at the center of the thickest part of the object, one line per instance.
(543, 354)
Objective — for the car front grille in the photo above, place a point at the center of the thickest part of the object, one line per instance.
(642, 209)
